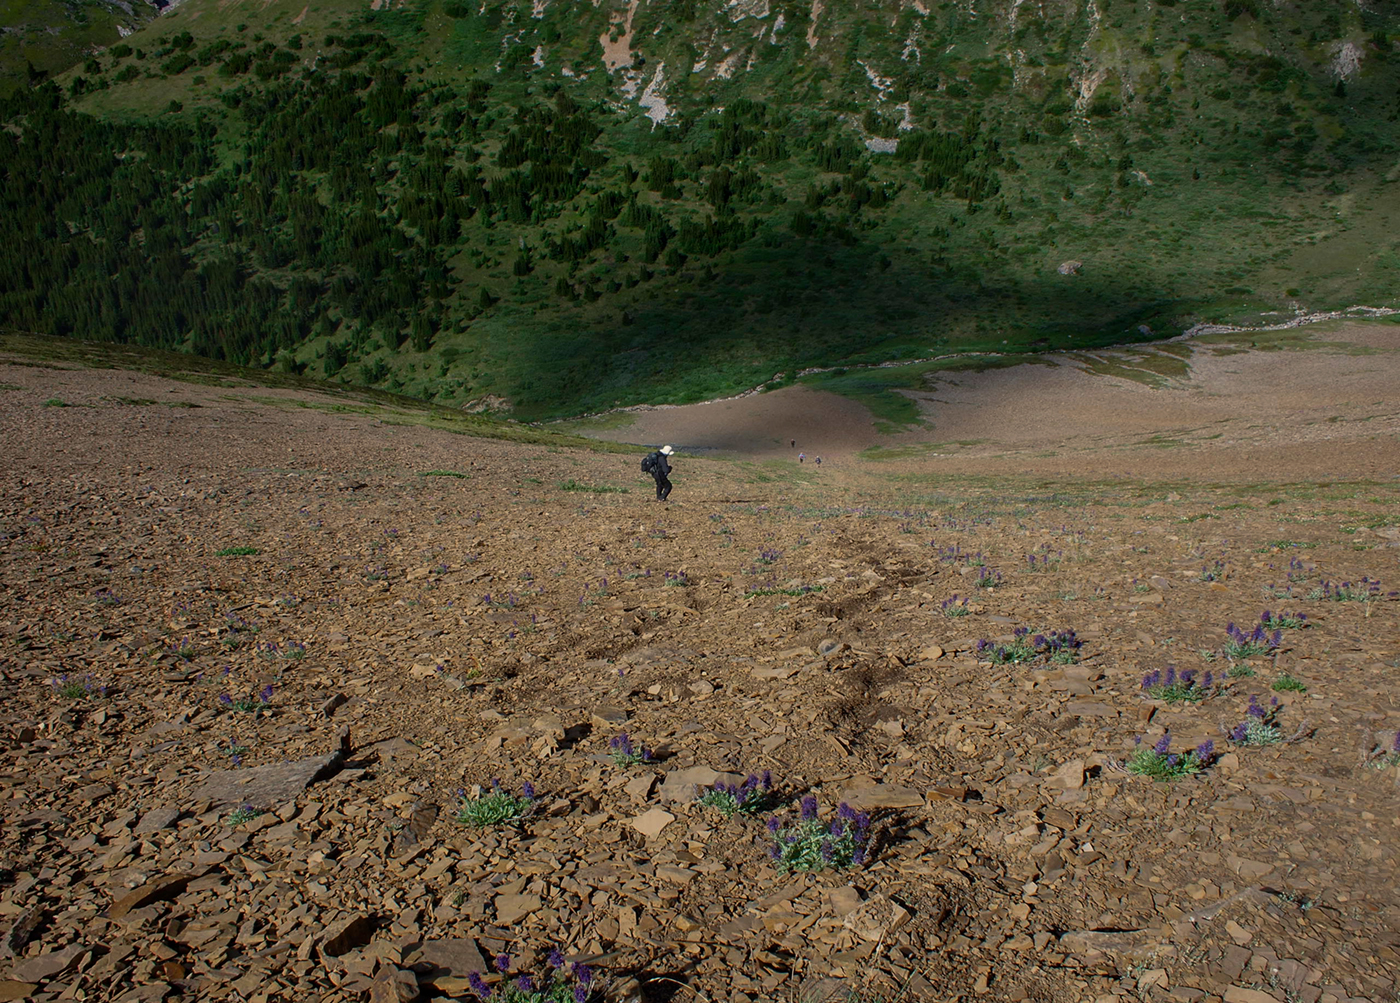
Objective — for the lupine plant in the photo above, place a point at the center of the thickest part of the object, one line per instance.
(754, 796)
(1259, 641)
(1275, 621)
(954, 605)
(1260, 724)
(496, 807)
(988, 578)
(565, 983)
(1173, 687)
(1388, 759)
(1363, 590)
(814, 845)
(250, 704)
(241, 814)
(1058, 646)
(77, 688)
(625, 752)
(1160, 763)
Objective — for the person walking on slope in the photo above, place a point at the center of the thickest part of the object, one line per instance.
(658, 465)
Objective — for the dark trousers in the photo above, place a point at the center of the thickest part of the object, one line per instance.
(663, 486)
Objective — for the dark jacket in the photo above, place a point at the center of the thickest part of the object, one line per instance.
(661, 469)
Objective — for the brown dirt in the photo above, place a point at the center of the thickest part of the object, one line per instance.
(510, 622)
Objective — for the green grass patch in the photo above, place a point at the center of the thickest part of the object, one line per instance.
(444, 473)
(236, 552)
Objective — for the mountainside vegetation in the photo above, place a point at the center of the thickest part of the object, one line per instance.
(566, 207)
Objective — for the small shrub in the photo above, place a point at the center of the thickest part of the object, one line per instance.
(1257, 642)
(499, 807)
(954, 605)
(597, 489)
(813, 845)
(79, 688)
(566, 983)
(1288, 684)
(677, 578)
(1364, 590)
(241, 814)
(251, 704)
(56, 402)
(1260, 725)
(1160, 763)
(625, 753)
(1177, 688)
(1060, 647)
(236, 552)
(754, 796)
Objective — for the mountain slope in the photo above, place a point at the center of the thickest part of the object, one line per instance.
(567, 207)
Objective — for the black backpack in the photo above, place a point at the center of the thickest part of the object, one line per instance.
(649, 462)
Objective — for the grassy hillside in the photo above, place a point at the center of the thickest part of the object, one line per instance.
(40, 38)
(570, 207)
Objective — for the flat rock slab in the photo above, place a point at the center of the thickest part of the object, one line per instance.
(454, 956)
(267, 786)
(165, 887)
(650, 823)
(46, 966)
(513, 908)
(865, 796)
(690, 783)
(11, 990)
(156, 819)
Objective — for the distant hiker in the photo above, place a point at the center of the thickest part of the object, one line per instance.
(659, 467)
(801, 457)
(794, 443)
(819, 461)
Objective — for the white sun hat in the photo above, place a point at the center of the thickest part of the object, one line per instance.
(667, 450)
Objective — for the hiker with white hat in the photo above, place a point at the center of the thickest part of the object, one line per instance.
(658, 465)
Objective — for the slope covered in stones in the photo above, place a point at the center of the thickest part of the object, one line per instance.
(215, 596)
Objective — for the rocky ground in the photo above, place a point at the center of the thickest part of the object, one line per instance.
(256, 646)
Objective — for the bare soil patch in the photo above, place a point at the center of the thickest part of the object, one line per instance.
(215, 589)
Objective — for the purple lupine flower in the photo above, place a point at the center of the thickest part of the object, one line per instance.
(1163, 744)
(845, 811)
(266, 693)
(767, 780)
(809, 808)
(1205, 752)
(1239, 733)
(478, 985)
(826, 851)
(858, 857)
(525, 984)
(226, 700)
(584, 974)
(528, 790)
(774, 824)
(503, 963)
(581, 994)
(838, 827)
(1395, 745)
(1171, 675)
(556, 958)
(1208, 681)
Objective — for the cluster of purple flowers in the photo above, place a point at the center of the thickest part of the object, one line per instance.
(1160, 763)
(1260, 724)
(1273, 620)
(988, 578)
(525, 988)
(752, 796)
(1364, 589)
(1047, 561)
(812, 845)
(1173, 686)
(769, 556)
(625, 752)
(1258, 641)
(954, 605)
